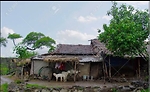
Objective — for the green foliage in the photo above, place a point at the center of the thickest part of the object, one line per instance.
(22, 52)
(126, 32)
(4, 87)
(36, 40)
(34, 86)
(44, 41)
(18, 81)
(3, 41)
(51, 49)
(32, 41)
(14, 36)
(4, 69)
(114, 90)
(145, 90)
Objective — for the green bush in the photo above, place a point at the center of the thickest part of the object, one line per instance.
(145, 90)
(4, 87)
(34, 86)
(18, 81)
(4, 70)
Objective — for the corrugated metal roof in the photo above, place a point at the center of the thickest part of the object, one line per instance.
(90, 59)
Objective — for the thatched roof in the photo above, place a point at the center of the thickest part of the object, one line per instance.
(61, 59)
(100, 46)
(21, 61)
(68, 49)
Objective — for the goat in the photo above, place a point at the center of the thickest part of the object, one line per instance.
(74, 72)
(65, 75)
(61, 76)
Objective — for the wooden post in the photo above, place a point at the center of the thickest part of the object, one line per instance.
(90, 69)
(109, 68)
(33, 68)
(104, 70)
(139, 68)
(22, 72)
(75, 72)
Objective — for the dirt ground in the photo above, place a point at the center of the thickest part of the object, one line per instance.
(53, 83)
(97, 83)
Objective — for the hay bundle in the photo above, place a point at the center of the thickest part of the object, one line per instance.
(22, 61)
(46, 59)
(61, 59)
(14, 60)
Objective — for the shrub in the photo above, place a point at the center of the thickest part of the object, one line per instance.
(4, 69)
(4, 87)
(18, 81)
(34, 86)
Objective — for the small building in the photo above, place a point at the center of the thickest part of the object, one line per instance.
(88, 59)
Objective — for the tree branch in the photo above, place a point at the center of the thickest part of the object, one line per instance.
(30, 48)
(14, 42)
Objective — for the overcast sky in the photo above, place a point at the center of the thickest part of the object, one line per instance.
(68, 22)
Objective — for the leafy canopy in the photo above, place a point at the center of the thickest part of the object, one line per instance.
(31, 42)
(35, 40)
(22, 52)
(13, 37)
(126, 32)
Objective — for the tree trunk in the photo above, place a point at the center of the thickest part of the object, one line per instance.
(14, 42)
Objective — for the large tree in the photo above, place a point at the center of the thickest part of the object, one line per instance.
(30, 43)
(127, 31)
(36, 40)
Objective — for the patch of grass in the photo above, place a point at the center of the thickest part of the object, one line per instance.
(35, 86)
(96, 87)
(18, 81)
(146, 78)
(80, 88)
(114, 90)
(4, 70)
(4, 87)
(145, 90)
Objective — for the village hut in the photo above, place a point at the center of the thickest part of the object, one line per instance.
(126, 66)
(90, 60)
(93, 61)
(45, 66)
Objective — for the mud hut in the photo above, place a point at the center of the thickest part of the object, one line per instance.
(46, 65)
(90, 60)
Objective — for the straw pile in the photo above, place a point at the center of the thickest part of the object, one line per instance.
(21, 62)
(61, 59)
